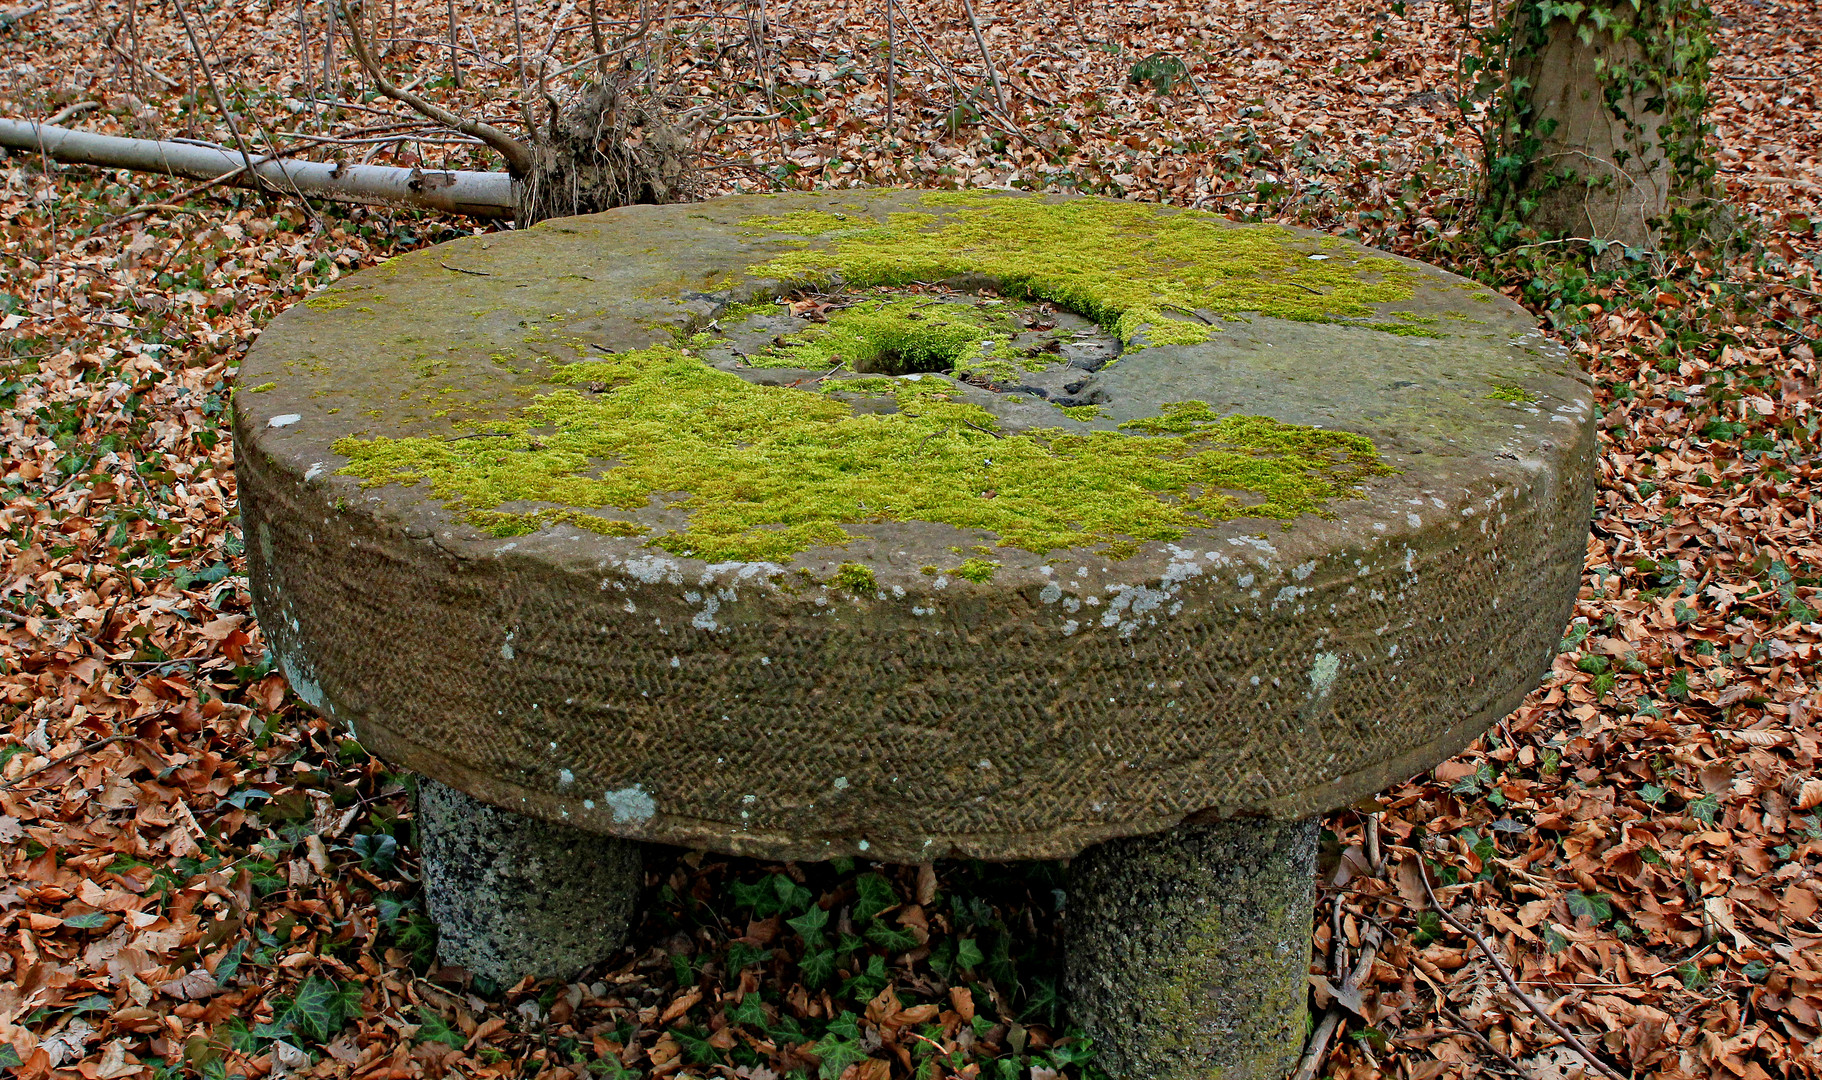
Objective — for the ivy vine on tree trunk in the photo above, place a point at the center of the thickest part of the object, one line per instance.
(1596, 125)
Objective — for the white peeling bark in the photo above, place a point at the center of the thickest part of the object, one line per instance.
(477, 194)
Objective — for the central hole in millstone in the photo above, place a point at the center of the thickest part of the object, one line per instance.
(979, 337)
(910, 356)
(829, 342)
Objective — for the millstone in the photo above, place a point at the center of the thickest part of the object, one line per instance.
(912, 525)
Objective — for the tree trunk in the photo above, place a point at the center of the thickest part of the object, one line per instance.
(1600, 132)
(476, 194)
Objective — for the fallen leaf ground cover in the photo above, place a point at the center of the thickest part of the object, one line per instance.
(197, 877)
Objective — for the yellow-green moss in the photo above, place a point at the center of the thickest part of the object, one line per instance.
(262, 388)
(764, 472)
(1513, 393)
(894, 335)
(977, 570)
(859, 578)
(1080, 412)
(1121, 264)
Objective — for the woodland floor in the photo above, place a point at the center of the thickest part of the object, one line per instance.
(197, 876)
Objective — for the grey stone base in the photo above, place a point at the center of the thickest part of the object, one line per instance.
(1189, 950)
(513, 896)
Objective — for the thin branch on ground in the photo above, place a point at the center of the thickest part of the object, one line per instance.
(980, 39)
(1317, 1052)
(86, 748)
(208, 74)
(516, 153)
(1511, 982)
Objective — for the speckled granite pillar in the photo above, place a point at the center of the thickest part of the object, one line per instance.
(514, 896)
(1189, 950)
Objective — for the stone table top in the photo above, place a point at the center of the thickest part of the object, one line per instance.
(911, 524)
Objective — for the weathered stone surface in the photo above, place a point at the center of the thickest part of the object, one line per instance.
(1189, 950)
(838, 699)
(514, 896)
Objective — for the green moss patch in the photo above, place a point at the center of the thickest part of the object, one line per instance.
(765, 472)
(1513, 393)
(977, 570)
(901, 335)
(1125, 265)
(856, 577)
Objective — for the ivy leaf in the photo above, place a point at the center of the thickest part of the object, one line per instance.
(834, 1054)
(968, 954)
(809, 923)
(436, 1029)
(1596, 906)
(890, 938)
(229, 963)
(816, 967)
(791, 896)
(876, 895)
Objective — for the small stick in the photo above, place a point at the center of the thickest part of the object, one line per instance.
(464, 270)
(329, 79)
(891, 66)
(1462, 1027)
(993, 76)
(73, 111)
(221, 103)
(455, 64)
(989, 431)
(54, 762)
(170, 207)
(1505, 973)
(1331, 1020)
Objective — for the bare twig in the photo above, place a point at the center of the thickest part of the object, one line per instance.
(891, 67)
(137, 64)
(54, 762)
(993, 75)
(1505, 973)
(518, 38)
(455, 65)
(517, 154)
(329, 80)
(1463, 1027)
(71, 112)
(597, 38)
(208, 73)
(1318, 1049)
(1730, 77)
(146, 209)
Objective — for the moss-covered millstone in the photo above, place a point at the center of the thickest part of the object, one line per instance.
(1025, 523)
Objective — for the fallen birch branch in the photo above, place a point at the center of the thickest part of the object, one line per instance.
(459, 191)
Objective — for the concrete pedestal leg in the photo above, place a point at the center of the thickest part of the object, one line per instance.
(513, 896)
(1189, 950)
